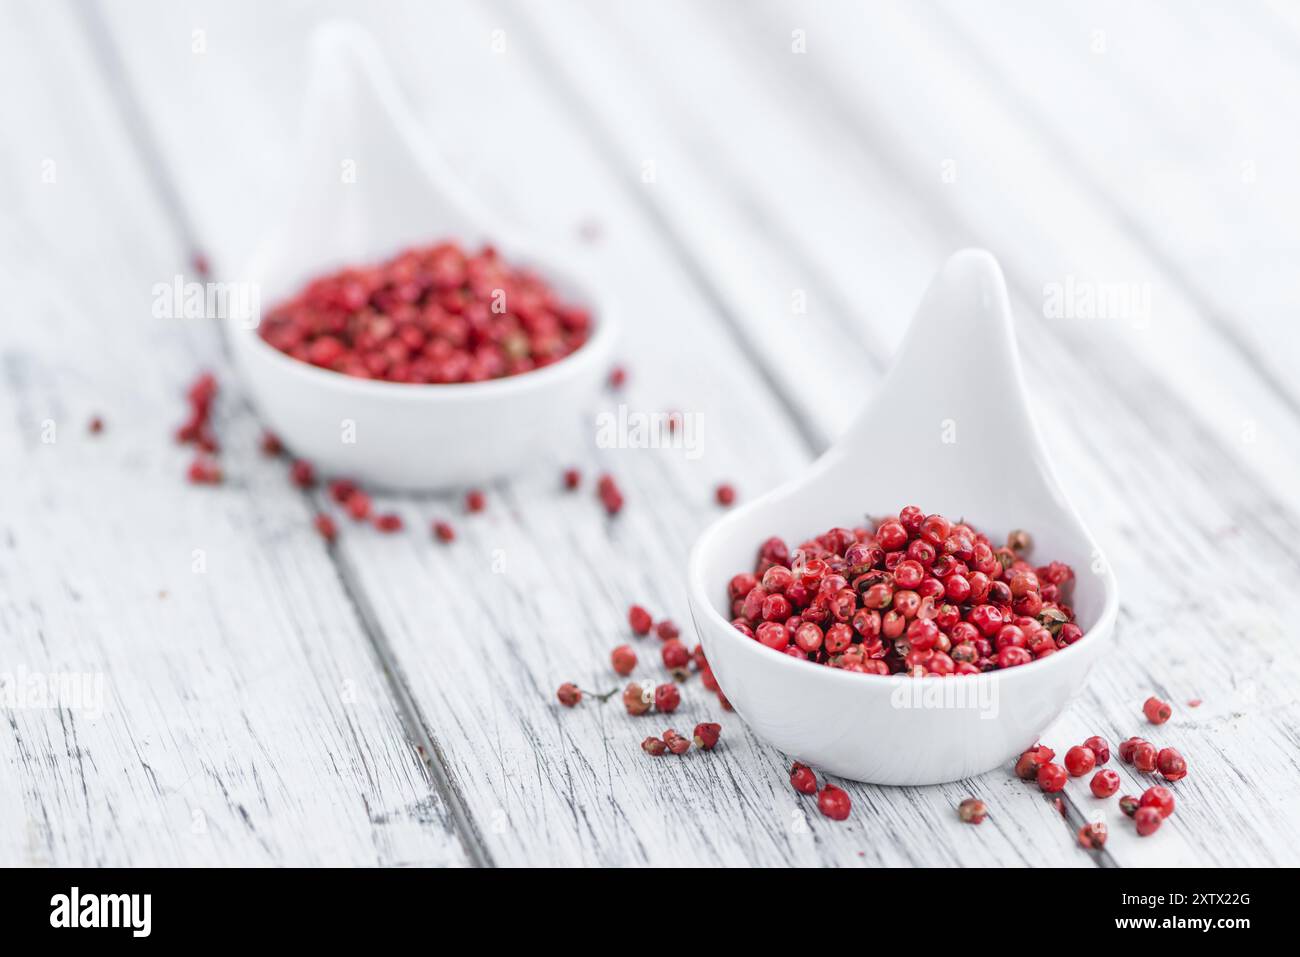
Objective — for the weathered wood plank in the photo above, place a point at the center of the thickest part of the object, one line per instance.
(232, 712)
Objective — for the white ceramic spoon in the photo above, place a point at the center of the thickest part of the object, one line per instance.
(948, 430)
(369, 186)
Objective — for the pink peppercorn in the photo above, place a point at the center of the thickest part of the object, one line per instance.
(444, 532)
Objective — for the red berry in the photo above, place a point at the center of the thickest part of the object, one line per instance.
(1030, 761)
(569, 694)
(1093, 836)
(1127, 748)
(302, 474)
(802, 779)
(706, 735)
(475, 500)
(666, 630)
(725, 494)
(1129, 804)
(1079, 761)
(972, 811)
(1148, 820)
(1104, 783)
(572, 479)
(204, 471)
(388, 522)
(358, 506)
(654, 747)
(1157, 711)
(1052, 778)
(1145, 757)
(677, 744)
(667, 697)
(772, 634)
(1160, 798)
(96, 425)
(676, 658)
(637, 699)
(639, 619)
(1099, 747)
(271, 444)
(1171, 764)
(617, 377)
(342, 489)
(325, 526)
(444, 531)
(834, 802)
(623, 660)
(608, 492)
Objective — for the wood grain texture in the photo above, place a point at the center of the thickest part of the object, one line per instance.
(229, 709)
(777, 175)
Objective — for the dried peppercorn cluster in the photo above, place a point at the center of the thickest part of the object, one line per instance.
(919, 595)
(434, 314)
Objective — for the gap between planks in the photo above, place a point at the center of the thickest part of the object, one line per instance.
(139, 133)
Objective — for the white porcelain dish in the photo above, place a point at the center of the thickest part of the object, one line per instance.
(954, 416)
(369, 186)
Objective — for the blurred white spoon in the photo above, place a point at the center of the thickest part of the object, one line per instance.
(407, 436)
(949, 430)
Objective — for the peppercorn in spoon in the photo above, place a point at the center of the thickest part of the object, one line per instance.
(367, 187)
(963, 445)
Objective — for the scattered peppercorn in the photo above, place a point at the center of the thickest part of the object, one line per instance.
(388, 522)
(1157, 711)
(640, 620)
(326, 527)
(677, 743)
(834, 802)
(1160, 798)
(1079, 761)
(654, 747)
(972, 811)
(475, 500)
(617, 377)
(1129, 804)
(667, 697)
(802, 779)
(608, 492)
(572, 479)
(1099, 747)
(569, 694)
(1145, 757)
(1052, 778)
(1171, 764)
(444, 532)
(706, 735)
(1104, 783)
(302, 474)
(666, 630)
(637, 699)
(1029, 762)
(623, 660)
(96, 425)
(725, 494)
(1148, 821)
(1092, 836)
(204, 471)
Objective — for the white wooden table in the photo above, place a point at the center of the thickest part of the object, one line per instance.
(271, 701)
